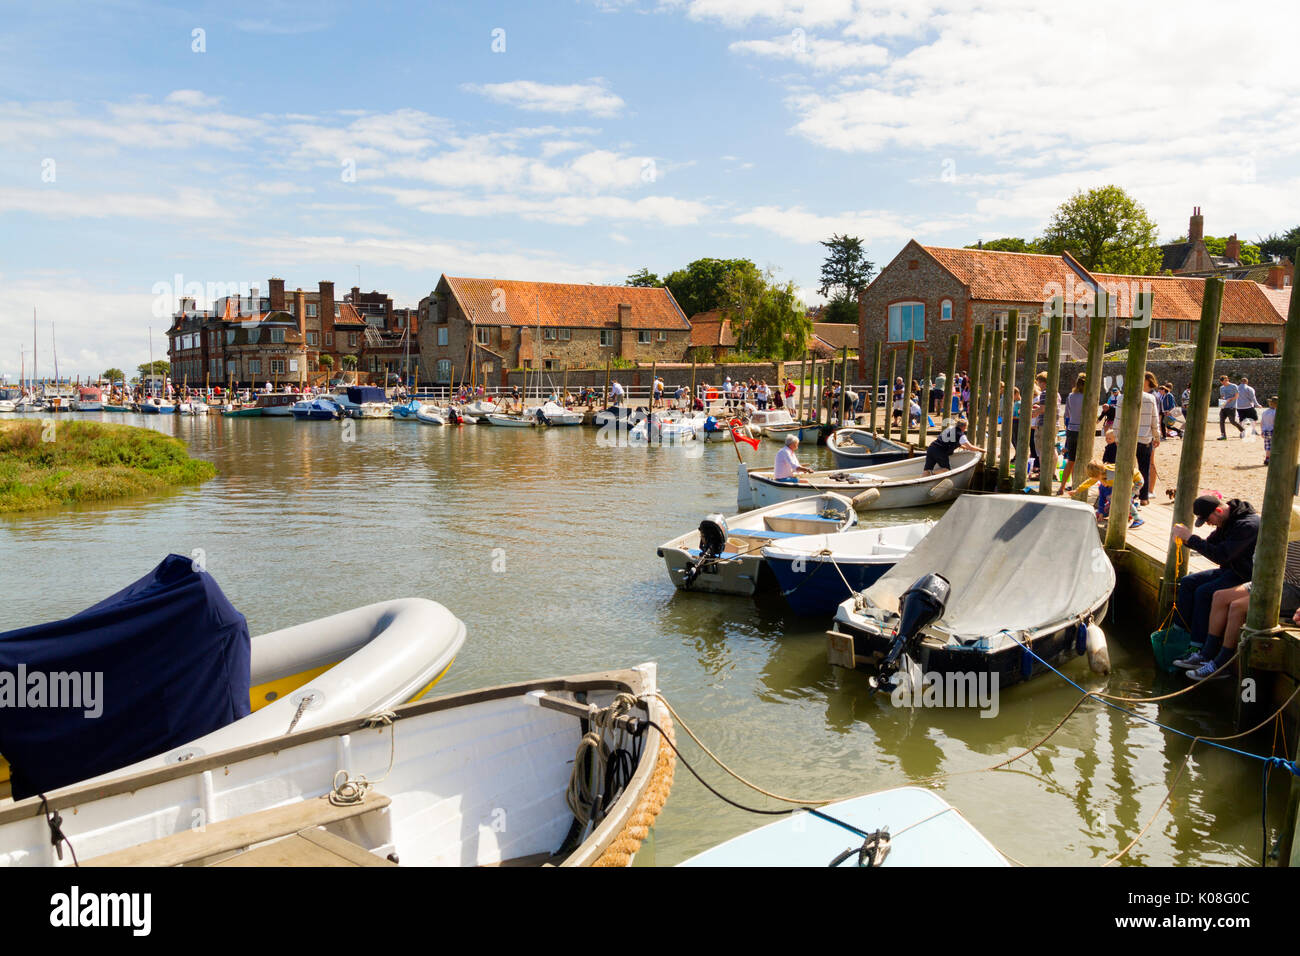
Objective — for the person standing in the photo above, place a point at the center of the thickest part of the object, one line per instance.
(1148, 434)
(1266, 420)
(1246, 404)
(1227, 407)
(1074, 417)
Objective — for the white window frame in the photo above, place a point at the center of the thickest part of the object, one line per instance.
(442, 336)
(565, 334)
(254, 335)
(277, 366)
(311, 338)
(643, 337)
(483, 335)
(889, 321)
(606, 338)
(352, 340)
(311, 310)
(1003, 319)
(661, 336)
(548, 335)
(254, 368)
(277, 336)
(329, 339)
(945, 306)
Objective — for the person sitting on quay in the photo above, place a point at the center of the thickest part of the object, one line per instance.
(787, 468)
(1232, 547)
(1229, 607)
(938, 456)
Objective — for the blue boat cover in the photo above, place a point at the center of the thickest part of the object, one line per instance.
(159, 664)
(366, 393)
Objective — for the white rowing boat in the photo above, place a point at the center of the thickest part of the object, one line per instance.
(896, 484)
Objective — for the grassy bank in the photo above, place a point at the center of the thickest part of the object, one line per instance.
(89, 461)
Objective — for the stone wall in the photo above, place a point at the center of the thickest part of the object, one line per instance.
(1264, 374)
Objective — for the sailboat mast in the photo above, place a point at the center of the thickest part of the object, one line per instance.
(54, 346)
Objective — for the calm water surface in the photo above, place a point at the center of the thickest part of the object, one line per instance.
(299, 524)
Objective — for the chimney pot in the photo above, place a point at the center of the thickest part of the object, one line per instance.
(1196, 226)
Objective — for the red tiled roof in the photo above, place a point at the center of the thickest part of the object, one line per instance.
(837, 335)
(1006, 276)
(559, 305)
(1281, 299)
(712, 329)
(1179, 297)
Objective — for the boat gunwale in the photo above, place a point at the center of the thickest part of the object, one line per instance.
(821, 484)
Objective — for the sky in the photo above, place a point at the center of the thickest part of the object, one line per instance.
(145, 148)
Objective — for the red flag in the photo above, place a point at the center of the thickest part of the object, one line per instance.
(736, 436)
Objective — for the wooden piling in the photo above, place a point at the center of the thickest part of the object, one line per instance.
(976, 383)
(873, 388)
(803, 389)
(889, 394)
(989, 405)
(1092, 382)
(1047, 445)
(1193, 441)
(844, 383)
(1027, 376)
(1139, 336)
(907, 390)
(1008, 401)
(693, 379)
(951, 380)
(605, 403)
(925, 396)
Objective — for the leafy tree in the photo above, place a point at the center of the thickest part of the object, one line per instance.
(698, 287)
(1106, 230)
(847, 270)
(770, 319)
(841, 309)
(644, 278)
(157, 367)
(1008, 244)
(1279, 245)
(326, 362)
(113, 375)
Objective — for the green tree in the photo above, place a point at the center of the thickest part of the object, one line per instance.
(644, 278)
(842, 309)
(1106, 230)
(698, 287)
(157, 367)
(847, 270)
(770, 320)
(326, 362)
(349, 363)
(1283, 244)
(1008, 244)
(113, 375)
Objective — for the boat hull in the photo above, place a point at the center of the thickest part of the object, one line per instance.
(815, 588)
(905, 488)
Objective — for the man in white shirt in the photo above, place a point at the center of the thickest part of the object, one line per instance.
(615, 394)
(1246, 404)
(1148, 434)
(787, 468)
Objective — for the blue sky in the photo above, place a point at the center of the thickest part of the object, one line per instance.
(591, 138)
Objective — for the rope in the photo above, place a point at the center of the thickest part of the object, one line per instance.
(302, 709)
(352, 790)
(55, 823)
(625, 845)
(583, 795)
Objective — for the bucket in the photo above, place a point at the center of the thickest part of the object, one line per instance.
(1170, 644)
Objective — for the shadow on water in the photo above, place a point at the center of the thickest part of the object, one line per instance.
(543, 542)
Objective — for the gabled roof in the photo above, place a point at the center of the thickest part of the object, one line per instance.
(837, 335)
(563, 305)
(1174, 254)
(996, 276)
(712, 329)
(1179, 297)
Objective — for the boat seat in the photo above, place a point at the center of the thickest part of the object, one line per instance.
(747, 533)
(798, 517)
(725, 555)
(239, 832)
(310, 847)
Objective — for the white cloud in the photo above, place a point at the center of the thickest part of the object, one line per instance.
(593, 97)
(875, 227)
(58, 203)
(822, 55)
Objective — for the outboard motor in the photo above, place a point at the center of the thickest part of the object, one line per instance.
(919, 606)
(713, 541)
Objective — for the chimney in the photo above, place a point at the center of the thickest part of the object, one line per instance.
(626, 341)
(327, 315)
(356, 295)
(1276, 272)
(300, 313)
(1233, 248)
(1196, 226)
(277, 295)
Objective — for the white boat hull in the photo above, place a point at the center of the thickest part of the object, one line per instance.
(900, 484)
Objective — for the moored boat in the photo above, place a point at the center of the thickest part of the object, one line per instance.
(510, 421)
(896, 484)
(973, 593)
(858, 447)
(659, 429)
(724, 555)
(480, 778)
(277, 404)
(808, 433)
(428, 415)
(242, 411)
(919, 827)
(90, 398)
(405, 411)
(549, 413)
(316, 410)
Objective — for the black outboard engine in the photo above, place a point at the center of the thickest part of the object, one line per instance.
(919, 606)
(713, 541)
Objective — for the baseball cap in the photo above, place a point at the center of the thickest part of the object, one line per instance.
(1204, 506)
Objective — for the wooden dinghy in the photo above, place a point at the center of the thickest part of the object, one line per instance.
(480, 778)
(858, 447)
(725, 555)
(921, 829)
(896, 484)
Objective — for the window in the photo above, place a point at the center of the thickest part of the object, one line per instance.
(1002, 319)
(254, 367)
(606, 338)
(1184, 331)
(564, 335)
(311, 338)
(442, 336)
(352, 340)
(444, 369)
(230, 336)
(311, 311)
(277, 366)
(254, 335)
(643, 337)
(907, 321)
(481, 336)
(488, 367)
(277, 336)
(661, 337)
(548, 335)
(329, 338)
(945, 310)
(548, 365)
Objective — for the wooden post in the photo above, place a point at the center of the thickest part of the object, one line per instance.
(803, 390)
(605, 402)
(1047, 445)
(874, 387)
(1126, 455)
(844, 383)
(1092, 385)
(907, 390)
(1193, 442)
(693, 380)
(1026, 407)
(654, 366)
(925, 396)
(950, 382)
(889, 394)
(988, 404)
(564, 387)
(1008, 401)
(976, 383)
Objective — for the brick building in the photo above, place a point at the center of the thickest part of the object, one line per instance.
(712, 336)
(255, 339)
(390, 345)
(481, 328)
(929, 293)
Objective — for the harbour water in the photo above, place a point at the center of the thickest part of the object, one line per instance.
(543, 542)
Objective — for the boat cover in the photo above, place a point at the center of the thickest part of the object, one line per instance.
(1015, 562)
(359, 394)
(174, 658)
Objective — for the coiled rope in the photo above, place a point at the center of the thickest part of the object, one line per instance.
(350, 790)
(592, 757)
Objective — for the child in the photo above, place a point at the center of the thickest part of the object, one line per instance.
(1106, 490)
(1095, 471)
(1112, 448)
(1266, 426)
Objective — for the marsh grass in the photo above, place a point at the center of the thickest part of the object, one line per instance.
(89, 461)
